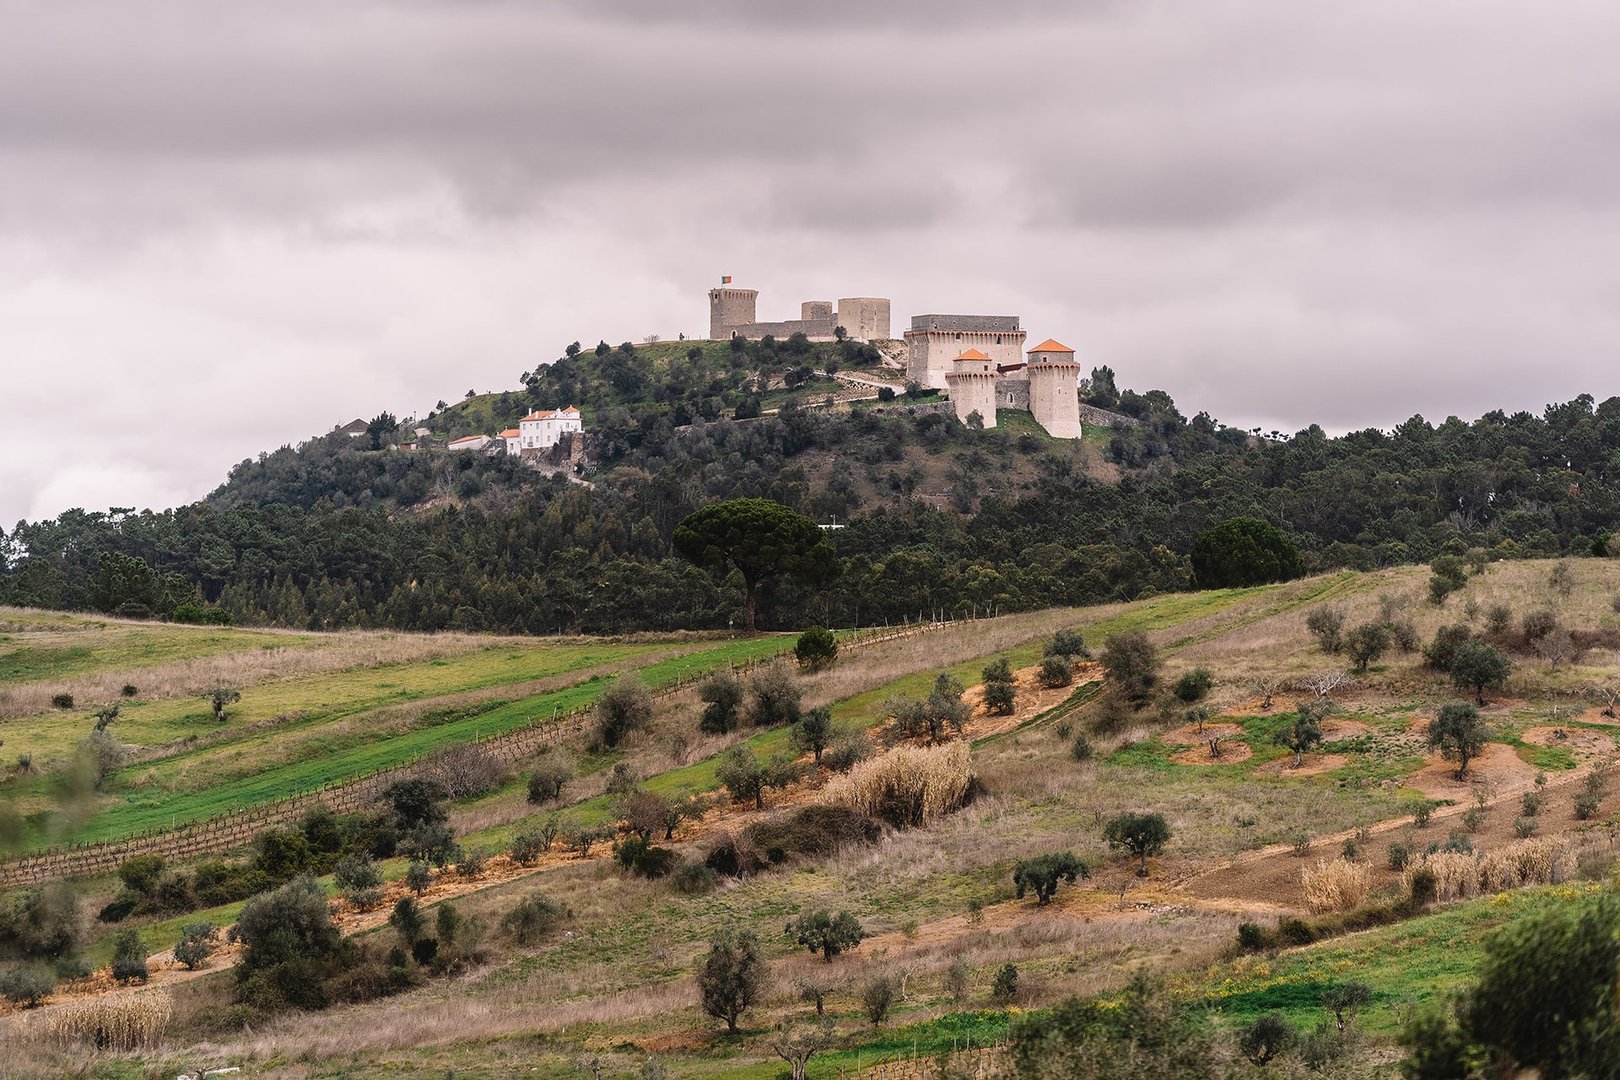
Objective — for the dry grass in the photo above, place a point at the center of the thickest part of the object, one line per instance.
(933, 779)
(1539, 860)
(330, 652)
(115, 1022)
(1336, 885)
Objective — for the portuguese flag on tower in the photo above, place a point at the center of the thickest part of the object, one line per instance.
(725, 279)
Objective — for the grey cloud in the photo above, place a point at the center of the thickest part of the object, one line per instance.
(269, 219)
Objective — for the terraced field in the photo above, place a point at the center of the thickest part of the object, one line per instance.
(937, 901)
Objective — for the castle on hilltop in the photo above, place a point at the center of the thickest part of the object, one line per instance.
(978, 360)
(732, 314)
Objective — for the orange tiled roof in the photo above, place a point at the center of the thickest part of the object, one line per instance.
(510, 433)
(1051, 346)
(973, 354)
(465, 438)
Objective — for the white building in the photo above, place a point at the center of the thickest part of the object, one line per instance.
(513, 438)
(469, 442)
(543, 429)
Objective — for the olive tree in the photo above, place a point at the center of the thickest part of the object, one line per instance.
(1140, 834)
(1042, 874)
(732, 976)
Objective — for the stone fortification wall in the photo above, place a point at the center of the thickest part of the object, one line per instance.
(814, 329)
(1103, 418)
(990, 323)
(929, 352)
(1012, 392)
(816, 310)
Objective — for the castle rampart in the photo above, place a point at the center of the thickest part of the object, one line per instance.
(732, 313)
(934, 342)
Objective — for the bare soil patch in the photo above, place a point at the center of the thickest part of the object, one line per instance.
(1188, 734)
(1587, 743)
(1313, 765)
(1231, 754)
(1498, 770)
(1333, 730)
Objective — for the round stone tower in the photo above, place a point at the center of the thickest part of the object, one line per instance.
(1054, 389)
(971, 383)
(730, 309)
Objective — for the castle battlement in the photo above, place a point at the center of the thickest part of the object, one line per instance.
(733, 313)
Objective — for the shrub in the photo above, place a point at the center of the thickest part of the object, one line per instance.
(1000, 692)
(1338, 885)
(773, 697)
(1081, 748)
(693, 878)
(549, 778)
(119, 908)
(825, 933)
(196, 944)
(1005, 987)
(1295, 931)
(533, 918)
(129, 690)
(621, 779)
(1365, 644)
(1252, 937)
(746, 777)
(1525, 827)
(1586, 805)
(466, 770)
(906, 786)
(1067, 644)
(1473, 818)
(221, 698)
(141, 872)
(847, 752)
(529, 845)
(26, 984)
(62, 701)
(942, 711)
(1498, 617)
(638, 855)
(288, 942)
(471, 865)
(813, 732)
(418, 877)
(1422, 885)
(1055, 671)
(1531, 803)
(722, 696)
(624, 707)
(1326, 623)
(1194, 686)
(1421, 813)
(1041, 874)
(358, 881)
(816, 649)
(1538, 624)
(1131, 664)
(1267, 1037)
(1440, 652)
(1400, 855)
(877, 996)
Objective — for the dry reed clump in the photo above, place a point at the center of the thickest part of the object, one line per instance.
(907, 786)
(1540, 860)
(1456, 874)
(114, 1022)
(1336, 885)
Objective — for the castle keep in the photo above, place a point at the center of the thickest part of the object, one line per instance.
(935, 341)
(732, 314)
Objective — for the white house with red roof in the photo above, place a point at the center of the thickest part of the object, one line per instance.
(513, 438)
(469, 442)
(543, 429)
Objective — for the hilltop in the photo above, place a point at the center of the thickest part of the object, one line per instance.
(934, 515)
(608, 975)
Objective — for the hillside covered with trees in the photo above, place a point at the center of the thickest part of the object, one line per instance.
(935, 516)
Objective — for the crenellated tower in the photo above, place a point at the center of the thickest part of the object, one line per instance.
(729, 310)
(972, 386)
(1054, 389)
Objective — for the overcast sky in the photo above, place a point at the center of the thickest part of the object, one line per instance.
(226, 227)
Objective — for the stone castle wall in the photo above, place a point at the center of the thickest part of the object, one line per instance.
(929, 352)
(730, 308)
(991, 323)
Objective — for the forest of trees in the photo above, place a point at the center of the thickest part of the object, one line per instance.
(316, 537)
